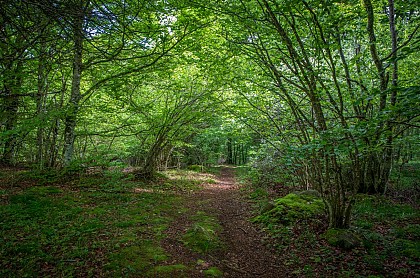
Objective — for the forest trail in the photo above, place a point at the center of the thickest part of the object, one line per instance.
(244, 254)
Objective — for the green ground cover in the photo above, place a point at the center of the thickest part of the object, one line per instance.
(106, 225)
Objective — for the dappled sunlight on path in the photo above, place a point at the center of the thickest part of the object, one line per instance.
(244, 253)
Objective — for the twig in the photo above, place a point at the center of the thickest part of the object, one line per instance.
(234, 268)
(243, 230)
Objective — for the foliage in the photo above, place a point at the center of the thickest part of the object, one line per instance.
(326, 109)
(309, 94)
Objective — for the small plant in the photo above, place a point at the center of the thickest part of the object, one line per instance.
(213, 272)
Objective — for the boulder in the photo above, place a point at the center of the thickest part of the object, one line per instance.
(344, 239)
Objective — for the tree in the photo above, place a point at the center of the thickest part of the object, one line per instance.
(21, 29)
(100, 42)
(169, 110)
(344, 114)
(150, 47)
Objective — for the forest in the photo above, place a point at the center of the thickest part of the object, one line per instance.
(225, 138)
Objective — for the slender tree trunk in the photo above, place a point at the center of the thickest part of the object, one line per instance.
(374, 53)
(229, 159)
(393, 33)
(54, 147)
(389, 149)
(11, 106)
(379, 161)
(40, 103)
(75, 96)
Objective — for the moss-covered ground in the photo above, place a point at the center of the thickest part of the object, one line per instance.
(94, 225)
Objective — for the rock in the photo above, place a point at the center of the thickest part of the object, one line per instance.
(345, 239)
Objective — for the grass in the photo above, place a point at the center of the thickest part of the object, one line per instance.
(88, 226)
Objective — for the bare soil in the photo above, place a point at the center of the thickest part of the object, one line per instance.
(244, 253)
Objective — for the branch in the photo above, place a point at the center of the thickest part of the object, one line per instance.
(4, 94)
(98, 84)
(410, 37)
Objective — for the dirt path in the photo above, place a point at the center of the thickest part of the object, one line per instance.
(244, 254)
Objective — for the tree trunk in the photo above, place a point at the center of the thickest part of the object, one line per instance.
(75, 97)
(40, 103)
(150, 165)
(11, 106)
(229, 159)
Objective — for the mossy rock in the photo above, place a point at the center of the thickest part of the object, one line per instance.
(267, 207)
(345, 239)
(305, 203)
(290, 208)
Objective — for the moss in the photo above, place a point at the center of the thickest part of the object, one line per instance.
(211, 181)
(125, 224)
(411, 231)
(202, 237)
(213, 272)
(73, 225)
(310, 192)
(259, 193)
(44, 190)
(290, 208)
(306, 203)
(196, 168)
(175, 270)
(137, 258)
(343, 238)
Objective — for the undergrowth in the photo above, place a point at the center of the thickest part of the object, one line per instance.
(388, 227)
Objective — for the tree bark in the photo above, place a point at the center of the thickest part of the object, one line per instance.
(75, 96)
(40, 102)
